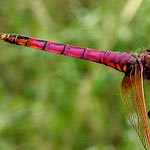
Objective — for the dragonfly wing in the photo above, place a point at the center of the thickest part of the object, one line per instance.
(133, 99)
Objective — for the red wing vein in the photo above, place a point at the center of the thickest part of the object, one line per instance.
(133, 99)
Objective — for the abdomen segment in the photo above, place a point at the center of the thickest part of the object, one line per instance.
(116, 60)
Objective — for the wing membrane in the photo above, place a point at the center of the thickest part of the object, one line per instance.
(133, 99)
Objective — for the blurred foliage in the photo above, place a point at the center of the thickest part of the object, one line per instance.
(51, 102)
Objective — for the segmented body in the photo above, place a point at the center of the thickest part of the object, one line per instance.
(117, 60)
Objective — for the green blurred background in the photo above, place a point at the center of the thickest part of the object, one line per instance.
(52, 102)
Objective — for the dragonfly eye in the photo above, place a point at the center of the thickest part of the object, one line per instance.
(148, 113)
(147, 58)
(148, 50)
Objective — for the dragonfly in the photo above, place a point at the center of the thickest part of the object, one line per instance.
(135, 68)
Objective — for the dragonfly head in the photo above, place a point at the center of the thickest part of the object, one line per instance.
(144, 58)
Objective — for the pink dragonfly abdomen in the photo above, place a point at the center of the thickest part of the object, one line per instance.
(116, 60)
